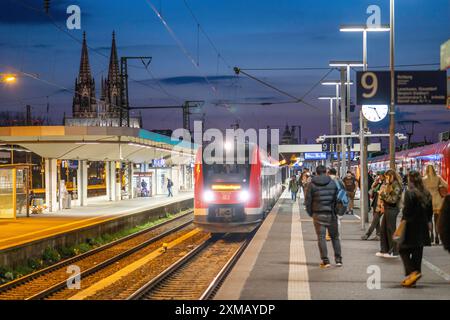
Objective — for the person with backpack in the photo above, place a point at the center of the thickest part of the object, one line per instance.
(341, 201)
(169, 187)
(320, 201)
(350, 187)
(374, 192)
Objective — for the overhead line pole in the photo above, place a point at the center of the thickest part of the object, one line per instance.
(392, 104)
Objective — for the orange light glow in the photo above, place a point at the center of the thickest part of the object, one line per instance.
(9, 78)
(226, 187)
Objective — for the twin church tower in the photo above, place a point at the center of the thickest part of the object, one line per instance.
(85, 105)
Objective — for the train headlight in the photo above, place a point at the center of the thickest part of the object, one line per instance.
(244, 195)
(208, 196)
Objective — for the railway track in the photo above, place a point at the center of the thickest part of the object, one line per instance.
(53, 279)
(198, 274)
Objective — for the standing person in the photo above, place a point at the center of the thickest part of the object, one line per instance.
(376, 210)
(444, 223)
(320, 201)
(304, 179)
(417, 212)
(293, 188)
(169, 187)
(403, 176)
(390, 197)
(433, 182)
(350, 187)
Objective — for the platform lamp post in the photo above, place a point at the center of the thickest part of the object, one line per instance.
(331, 99)
(363, 122)
(345, 101)
(336, 83)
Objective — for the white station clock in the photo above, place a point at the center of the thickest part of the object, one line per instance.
(375, 113)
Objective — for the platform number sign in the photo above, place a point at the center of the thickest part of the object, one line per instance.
(373, 87)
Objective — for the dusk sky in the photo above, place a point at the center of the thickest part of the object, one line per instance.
(248, 34)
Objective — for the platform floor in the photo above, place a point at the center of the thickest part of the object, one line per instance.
(282, 262)
(27, 229)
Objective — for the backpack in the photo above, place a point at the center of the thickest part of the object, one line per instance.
(341, 200)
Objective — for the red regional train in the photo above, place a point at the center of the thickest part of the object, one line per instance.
(234, 198)
(417, 159)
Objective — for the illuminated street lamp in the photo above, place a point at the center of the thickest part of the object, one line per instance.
(331, 109)
(344, 65)
(364, 29)
(363, 122)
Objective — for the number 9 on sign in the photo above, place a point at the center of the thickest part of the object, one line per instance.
(370, 85)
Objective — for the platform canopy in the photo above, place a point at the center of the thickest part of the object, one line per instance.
(98, 143)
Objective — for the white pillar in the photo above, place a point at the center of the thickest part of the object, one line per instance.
(174, 176)
(50, 184)
(117, 184)
(111, 180)
(82, 178)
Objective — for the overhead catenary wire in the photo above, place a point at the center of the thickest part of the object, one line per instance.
(180, 44)
(187, 53)
(295, 99)
(325, 68)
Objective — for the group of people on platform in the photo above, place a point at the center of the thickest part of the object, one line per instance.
(423, 203)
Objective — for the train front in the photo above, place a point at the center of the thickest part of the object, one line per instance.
(228, 195)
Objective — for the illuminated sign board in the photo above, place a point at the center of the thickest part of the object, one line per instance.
(158, 163)
(315, 155)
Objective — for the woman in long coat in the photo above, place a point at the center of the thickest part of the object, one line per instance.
(433, 182)
(418, 212)
(389, 197)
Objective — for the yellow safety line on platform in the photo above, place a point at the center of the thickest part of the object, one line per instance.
(298, 285)
(101, 218)
(130, 268)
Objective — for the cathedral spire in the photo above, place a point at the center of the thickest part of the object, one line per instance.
(113, 83)
(84, 102)
(85, 69)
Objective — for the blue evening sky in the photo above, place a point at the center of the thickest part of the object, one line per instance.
(248, 34)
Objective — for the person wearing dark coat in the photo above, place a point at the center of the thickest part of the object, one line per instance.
(418, 213)
(444, 223)
(320, 200)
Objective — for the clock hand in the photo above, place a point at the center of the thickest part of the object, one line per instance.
(376, 111)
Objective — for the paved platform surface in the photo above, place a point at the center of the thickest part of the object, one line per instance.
(23, 229)
(282, 262)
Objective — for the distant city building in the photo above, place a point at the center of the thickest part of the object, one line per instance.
(288, 136)
(89, 111)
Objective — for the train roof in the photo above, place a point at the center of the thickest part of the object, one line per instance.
(420, 152)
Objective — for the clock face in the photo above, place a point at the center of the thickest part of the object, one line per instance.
(375, 113)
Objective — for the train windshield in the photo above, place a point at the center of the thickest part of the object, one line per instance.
(217, 171)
